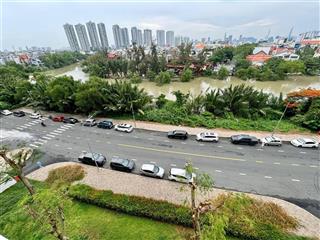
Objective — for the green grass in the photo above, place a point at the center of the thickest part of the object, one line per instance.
(83, 220)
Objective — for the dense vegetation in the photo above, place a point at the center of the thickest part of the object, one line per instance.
(236, 107)
(61, 59)
(153, 65)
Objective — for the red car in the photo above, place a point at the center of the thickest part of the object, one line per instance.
(58, 119)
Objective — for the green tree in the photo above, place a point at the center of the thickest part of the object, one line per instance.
(186, 75)
(161, 101)
(151, 75)
(184, 53)
(223, 73)
(181, 98)
(154, 61)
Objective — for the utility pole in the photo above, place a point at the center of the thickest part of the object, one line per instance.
(282, 115)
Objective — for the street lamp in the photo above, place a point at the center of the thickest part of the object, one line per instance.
(282, 115)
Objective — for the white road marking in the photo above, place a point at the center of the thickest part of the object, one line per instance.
(295, 180)
(313, 166)
(44, 131)
(239, 148)
(295, 164)
(201, 144)
(277, 163)
(44, 141)
(28, 125)
(46, 137)
(68, 136)
(183, 143)
(303, 152)
(121, 135)
(56, 145)
(61, 129)
(220, 146)
(219, 171)
(39, 143)
(267, 177)
(49, 135)
(19, 128)
(259, 149)
(54, 133)
(259, 161)
(108, 142)
(242, 174)
(173, 165)
(57, 131)
(280, 151)
(70, 148)
(196, 168)
(167, 141)
(136, 137)
(32, 145)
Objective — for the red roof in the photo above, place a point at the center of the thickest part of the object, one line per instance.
(259, 57)
(310, 41)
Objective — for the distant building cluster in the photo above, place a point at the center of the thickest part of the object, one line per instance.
(79, 35)
(88, 38)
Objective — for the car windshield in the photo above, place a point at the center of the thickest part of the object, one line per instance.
(156, 169)
(301, 140)
(95, 156)
(269, 139)
(125, 162)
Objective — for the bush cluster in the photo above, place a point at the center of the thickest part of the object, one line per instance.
(67, 174)
(133, 205)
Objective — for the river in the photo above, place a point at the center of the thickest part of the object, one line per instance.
(202, 84)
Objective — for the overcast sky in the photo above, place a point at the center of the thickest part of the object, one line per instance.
(40, 23)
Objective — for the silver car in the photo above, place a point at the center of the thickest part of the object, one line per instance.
(271, 141)
(151, 170)
(181, 175)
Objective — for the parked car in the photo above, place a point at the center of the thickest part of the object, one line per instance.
(178, 134)
(6, 112)
(70, 120)
(244, 139)
(92, 158)
(271, 141)
(59, 118)
(19, 114)
(305, 143)
(90, 122)
(120, 164)
(207, 137)
(124, 127)
(152, 170)
(106, 124)
(35, 116)
(181, 175)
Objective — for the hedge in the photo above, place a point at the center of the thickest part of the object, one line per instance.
(133, 205)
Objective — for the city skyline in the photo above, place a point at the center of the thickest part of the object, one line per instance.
(43, 25)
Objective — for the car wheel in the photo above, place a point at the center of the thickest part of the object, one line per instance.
(314, 146)
(300, 146)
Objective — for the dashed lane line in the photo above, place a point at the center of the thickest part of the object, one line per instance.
(280, 151)
(259, 161)
(303, 152)
(259, 149)
(218, 171)
(295, 180)
(268, 177)
(220, 146)
(313, 166)
(276, 163)
(242, 174)
(295, 164)
(239, 148)
(182, 153)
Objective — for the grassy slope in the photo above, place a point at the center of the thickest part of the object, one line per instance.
(84, 219)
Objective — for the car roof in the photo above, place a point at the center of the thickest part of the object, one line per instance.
(148, 167)
(124, 125)
(307, 139)
(208, 133)
(274, 138)
(90, 120)
(180, 131)
(118, 160)
(178, 171)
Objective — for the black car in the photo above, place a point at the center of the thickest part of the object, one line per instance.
(179, 134)
(120, 164)
(244, 139)
(92, 159)
(106, 124)
(19, 114)
(71, 120)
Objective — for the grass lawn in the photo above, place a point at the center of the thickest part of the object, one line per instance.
(83, 220)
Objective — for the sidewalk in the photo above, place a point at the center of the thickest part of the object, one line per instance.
(224, 133)
(132, 184)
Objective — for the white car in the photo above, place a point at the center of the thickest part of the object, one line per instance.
(90, 122)
(271, 141)
(207, 137)
(305, 143)
(6, 112)
(181, 175)
(152, 170)
(35, 116)
(124, 127)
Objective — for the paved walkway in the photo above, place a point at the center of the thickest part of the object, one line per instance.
(137, 185)
(153, 126)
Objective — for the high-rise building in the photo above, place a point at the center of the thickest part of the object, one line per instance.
(186, 40)
(93, 35)
(177, 41)
(71, 36)
(83, 37)
(117, 36)
(124, 37)
(147, 34)
(139, 38)
(170, 38)
(134, 35)
(161, 42)
(103, 36)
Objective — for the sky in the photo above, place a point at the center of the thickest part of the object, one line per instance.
(40, 23)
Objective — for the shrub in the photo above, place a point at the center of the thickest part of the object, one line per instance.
(151, 75)
(135, 78)
(223, 73)
(163, 78)
(67, 174)
(186, 75)
(133, 205)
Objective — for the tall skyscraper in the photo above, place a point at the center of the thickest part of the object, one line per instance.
(140, 38)
(83, 37)
(71, 36)
(117, 36)
(103, 36)
(125, 37)
(134, 35)
(147, 34)
(177, 41)
(93, 35)
(161, 38)
(170, 38)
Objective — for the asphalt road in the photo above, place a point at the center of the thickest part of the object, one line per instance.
(286, 172)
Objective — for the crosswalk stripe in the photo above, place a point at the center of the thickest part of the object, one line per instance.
(39, 143)
(32, 145)
(49, 135)
(46, 137)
